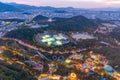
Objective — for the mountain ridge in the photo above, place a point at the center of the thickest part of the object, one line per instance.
(76, 23)
(6, 7)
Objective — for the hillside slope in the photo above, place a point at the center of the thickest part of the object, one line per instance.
(73, 24)
(6, 7)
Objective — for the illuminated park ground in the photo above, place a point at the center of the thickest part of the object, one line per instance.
(50, 39)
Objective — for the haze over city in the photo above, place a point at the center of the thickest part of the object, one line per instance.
(70, 3)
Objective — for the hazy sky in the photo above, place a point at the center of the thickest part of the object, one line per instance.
(68, 3)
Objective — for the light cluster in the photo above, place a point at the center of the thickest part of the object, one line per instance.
(53, 40)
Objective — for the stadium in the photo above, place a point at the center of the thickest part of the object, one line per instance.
(52, 39)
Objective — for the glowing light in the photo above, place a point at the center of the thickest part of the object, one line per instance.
(67, 61)
(53, 40)
(73, 75)
(86, 70)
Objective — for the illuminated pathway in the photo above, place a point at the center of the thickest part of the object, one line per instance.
(21, 42)
(39, 49)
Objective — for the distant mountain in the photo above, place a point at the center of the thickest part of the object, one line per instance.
(5, 7)
(13, 20)
(59, 19)
(60, 11)
(40, 18)
(106, 9)
(76, 23)
(47, 8)
(22, 6)
(66, 8)
(28, 7)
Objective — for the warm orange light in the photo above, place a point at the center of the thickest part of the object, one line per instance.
(102, 73)
(98, 68)
(73, 75)
(91, 52)
(86, 70)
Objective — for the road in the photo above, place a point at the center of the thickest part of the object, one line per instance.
(39, 49)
